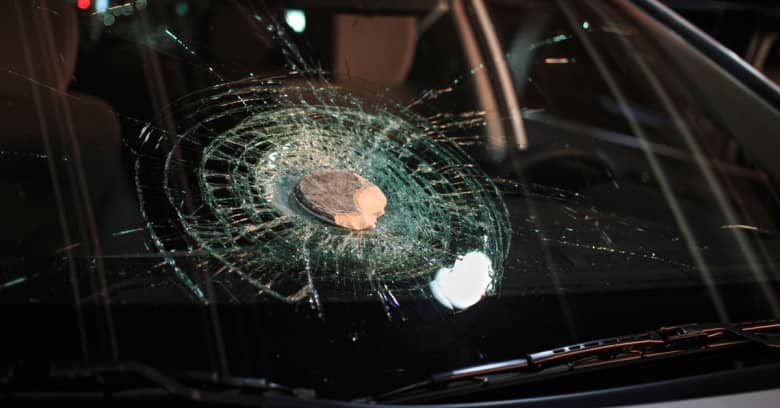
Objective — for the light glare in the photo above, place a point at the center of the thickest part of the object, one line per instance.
(463, 285)
(296, 19)
(101, 6)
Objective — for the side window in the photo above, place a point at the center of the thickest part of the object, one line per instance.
(613, 115)
(569, 62)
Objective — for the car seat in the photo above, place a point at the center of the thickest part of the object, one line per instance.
(48, 133)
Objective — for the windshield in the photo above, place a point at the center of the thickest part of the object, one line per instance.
(379, 189)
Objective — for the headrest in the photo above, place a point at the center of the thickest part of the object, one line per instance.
(376, 49)
(39, 39)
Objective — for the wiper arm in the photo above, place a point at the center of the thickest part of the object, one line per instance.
(660, 342)
(663, 342)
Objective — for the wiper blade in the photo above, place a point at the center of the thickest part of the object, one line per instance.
(664, 342)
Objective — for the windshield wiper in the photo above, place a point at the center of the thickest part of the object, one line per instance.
(128, 379)
(665, 342)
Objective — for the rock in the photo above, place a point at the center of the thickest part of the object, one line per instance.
(341, 198)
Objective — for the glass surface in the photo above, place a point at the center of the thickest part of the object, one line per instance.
(552, 174)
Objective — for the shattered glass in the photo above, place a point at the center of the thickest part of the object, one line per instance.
(527, 150)
(214, 171)
(245, 145)
(215, 182)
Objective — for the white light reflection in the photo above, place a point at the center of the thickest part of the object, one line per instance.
(101, 6)
(463, 285)
(296, 19)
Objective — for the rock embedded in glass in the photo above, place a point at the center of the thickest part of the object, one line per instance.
(243, 144)
(341, 198)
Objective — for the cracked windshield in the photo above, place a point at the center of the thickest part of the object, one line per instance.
(316, 191)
